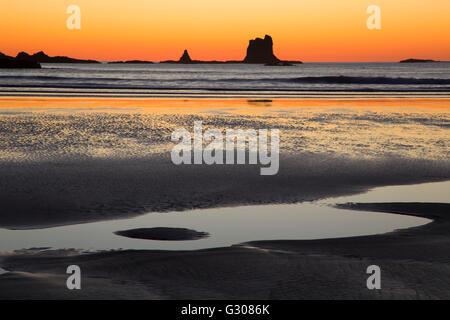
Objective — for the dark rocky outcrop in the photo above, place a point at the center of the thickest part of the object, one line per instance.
(41, 57)
(25, 60)
(7, 62)
(18, 64)
(261, 51)
(416, 61)
(4, 56)
(185, 58)
(258, 51)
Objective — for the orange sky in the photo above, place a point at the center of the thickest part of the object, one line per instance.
(308, 30)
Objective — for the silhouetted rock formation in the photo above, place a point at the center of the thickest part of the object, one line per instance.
(185, 58)
(41, 57)
(261, 51)
(18, 64)
(25, 60)
(8, 62)
(258, 51)
(416, 61)
(4, 56)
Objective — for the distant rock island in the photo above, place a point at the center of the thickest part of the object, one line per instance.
(259, 51)
(185, 58)
(416, 61)
(25, 60)
(7, 62)
(18, 64)
(4, 56)
(41, 57)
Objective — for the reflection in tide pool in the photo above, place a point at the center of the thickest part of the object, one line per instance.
(228, 226)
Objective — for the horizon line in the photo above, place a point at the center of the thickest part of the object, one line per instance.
(222, 61)
(219, 61)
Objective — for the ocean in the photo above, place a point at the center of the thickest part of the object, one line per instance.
(230, 80)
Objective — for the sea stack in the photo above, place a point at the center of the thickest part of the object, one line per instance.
(185, 58)
(261, 51)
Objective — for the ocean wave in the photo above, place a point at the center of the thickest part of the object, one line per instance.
(29, 83)
(307, 80)
(368, 80)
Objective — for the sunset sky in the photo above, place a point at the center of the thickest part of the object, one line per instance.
(308, 30)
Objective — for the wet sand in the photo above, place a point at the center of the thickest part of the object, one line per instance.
(68, 161)
(414, 265)
(52, 193)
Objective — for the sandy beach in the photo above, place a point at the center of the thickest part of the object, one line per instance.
(85, 164)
